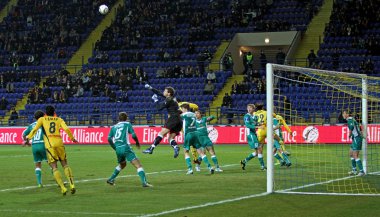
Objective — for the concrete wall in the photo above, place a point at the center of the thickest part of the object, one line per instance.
(255, 42)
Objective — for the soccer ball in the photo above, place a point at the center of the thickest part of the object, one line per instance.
(103, 9)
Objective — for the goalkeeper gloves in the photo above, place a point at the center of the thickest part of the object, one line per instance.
(147, 86)
(155, 98)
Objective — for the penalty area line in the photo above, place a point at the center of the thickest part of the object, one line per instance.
(206, 205)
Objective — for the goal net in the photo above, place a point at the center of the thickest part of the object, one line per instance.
(311, 102)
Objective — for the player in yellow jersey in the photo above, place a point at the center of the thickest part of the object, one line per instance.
(196, 159)
(261, 118)
(51, 125)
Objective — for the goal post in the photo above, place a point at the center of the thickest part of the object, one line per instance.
(310, 101)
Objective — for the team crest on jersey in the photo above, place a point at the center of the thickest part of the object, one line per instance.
(212, 134)
(310, 134)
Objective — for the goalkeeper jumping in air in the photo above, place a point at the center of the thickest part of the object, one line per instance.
(173, 124)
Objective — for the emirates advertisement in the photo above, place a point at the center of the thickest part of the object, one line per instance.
(218, 134)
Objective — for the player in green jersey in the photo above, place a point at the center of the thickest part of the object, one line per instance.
(204, 140)
(250, 122)
(356, 145)
(284, 160)
(118, 138)
(38, 146)
(191, 138)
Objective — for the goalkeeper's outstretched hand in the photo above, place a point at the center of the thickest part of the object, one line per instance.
(155, 98)
(147, 86)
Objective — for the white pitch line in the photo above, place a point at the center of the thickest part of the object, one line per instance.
(206, 205)
(16, 156)
(71, 213)
(289, 190)
(99, 179)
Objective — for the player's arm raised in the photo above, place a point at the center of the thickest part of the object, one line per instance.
(155, 91)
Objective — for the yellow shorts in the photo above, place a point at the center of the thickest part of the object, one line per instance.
(261, 135)
(56, 154)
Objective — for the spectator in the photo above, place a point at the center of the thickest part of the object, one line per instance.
(10, 88)
(107, 90)
(143, 78)
(80, 91)
(311, 57)
(230, 115)
(62, 96)
(3, 103)
(247, 61)
(95, 91)
(112, 96)
(2, 81)
(280, 57)
(211, 76)
(129, 82)
(209, 88)
(189, 71)
(123, 97)
(55, 97)
(13, 117)
(160, 73)
(263, 59)
(166, 56)
(227, 100)
(228, 61)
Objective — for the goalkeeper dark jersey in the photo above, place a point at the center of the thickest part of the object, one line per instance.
(169, 103)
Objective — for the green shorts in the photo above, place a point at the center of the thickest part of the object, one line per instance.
(39, 152)
(191, 139)
(205, 141)
(357, 143)
(253, 142)
(276, 145)
(125, 153)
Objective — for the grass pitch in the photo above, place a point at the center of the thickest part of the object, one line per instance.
(233, 192)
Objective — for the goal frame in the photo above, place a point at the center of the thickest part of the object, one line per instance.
(270, 67)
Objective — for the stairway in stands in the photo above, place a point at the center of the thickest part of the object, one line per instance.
(85, 50)
(311, 38)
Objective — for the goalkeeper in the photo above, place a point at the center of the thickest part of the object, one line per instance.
(173, 124)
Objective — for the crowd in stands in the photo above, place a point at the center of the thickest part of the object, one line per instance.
(35, 29)
(352, 38)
